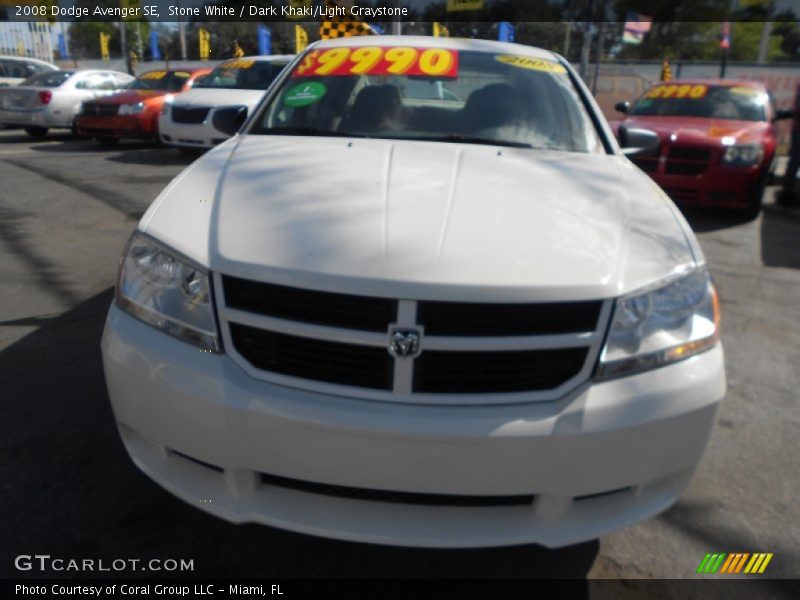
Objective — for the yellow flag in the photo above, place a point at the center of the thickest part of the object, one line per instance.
(300, 39)
(204, 37)
(440, 30)
(666, 71)
(104, 39)
(459, 5)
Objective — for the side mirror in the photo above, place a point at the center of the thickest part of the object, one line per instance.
(783, 114)
(230, 119)
(622, 107)
(638, 142)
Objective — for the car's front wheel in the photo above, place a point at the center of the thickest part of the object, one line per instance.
(756, 198)
(37, 132)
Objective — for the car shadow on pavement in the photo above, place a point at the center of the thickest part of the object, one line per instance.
(18, 136)
(153, 155)
(69, 489)
(780, 237)
(704, 219)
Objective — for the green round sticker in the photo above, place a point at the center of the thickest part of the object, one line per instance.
(304, 94)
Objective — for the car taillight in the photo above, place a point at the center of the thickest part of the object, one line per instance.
(45, 97)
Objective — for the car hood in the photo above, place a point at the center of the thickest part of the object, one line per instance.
(698, 130)
(132, 97)
(423, 220)
(219, 97)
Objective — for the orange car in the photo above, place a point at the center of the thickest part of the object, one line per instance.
(133, 113)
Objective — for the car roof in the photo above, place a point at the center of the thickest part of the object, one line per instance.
(38, 61)
(720, 82)
(421, 41)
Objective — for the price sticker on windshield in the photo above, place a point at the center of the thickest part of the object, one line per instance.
(380, 61)
(532, 64)
(153, 75)
(692, 92)
(238, 63)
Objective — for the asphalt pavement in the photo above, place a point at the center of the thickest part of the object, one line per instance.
(69, 490)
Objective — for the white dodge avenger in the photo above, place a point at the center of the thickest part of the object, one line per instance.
(422, 298)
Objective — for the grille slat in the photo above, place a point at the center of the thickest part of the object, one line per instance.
(687, 161)
(99, 109)
(332, 362)
(308, 306)
(193, 116)
(496, 372)
(477, 320)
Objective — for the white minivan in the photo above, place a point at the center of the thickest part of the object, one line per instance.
(421, 298)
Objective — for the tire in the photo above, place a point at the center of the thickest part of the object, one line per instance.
(756, 198)
(107, 140)
(73, 129)
(36, 132)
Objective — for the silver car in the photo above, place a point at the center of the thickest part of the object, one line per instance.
(53, 99)
(16, 69)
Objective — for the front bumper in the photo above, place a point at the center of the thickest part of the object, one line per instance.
(604, 457)
(133, 126)
(201, 135)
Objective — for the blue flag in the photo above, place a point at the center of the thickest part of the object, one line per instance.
(62, 46)
(264, 40)
(155, 51)
(505, 32)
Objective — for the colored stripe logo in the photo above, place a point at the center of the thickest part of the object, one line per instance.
(736, 562)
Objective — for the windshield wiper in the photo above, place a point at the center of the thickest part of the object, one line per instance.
(472, 139)
(307, 131)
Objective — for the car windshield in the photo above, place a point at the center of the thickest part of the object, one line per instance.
(742, 103)
(242, 74)
(48, 79)
(169, 81)
(432, 94)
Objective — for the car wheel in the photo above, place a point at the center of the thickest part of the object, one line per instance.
(756, 198)
(107, 140)
(37, 132)
(73, 129)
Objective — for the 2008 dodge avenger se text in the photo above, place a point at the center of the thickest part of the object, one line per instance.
(424, 299)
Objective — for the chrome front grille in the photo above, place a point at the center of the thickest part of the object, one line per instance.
(189, 115)
(468, 353)
(99, 109)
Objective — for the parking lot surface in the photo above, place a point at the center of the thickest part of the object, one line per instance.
(69, 490)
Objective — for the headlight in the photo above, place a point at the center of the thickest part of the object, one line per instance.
(664, 324)
(131, 109)
(165, 108)
(167, 292)
(743, 155)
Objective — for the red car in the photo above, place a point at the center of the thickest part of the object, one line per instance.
(717, 140)
(134, 112)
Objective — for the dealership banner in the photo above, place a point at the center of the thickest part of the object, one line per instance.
(383, 11)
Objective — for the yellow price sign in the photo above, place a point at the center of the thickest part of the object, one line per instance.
(679, 91)
(534, 64)
(380, 61)
(239, 64)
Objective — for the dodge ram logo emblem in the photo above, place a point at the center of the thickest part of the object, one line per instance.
(404, 343)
